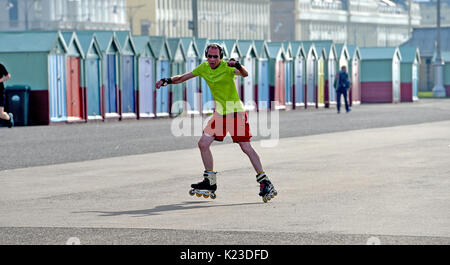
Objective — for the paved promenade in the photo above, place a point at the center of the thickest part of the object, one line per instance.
(343, 187)
(391, 183)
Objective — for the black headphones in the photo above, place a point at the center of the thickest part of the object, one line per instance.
(215, 45)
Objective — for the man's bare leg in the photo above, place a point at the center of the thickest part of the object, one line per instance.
(252, 155)
(204, 145)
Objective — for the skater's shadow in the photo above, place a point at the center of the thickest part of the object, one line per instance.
(166, 208)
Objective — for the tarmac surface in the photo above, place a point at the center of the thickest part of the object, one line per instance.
(378, 174)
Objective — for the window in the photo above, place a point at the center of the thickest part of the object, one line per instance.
(13, 13)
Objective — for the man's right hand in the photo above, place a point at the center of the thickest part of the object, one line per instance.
(159, 84)
(163, 82)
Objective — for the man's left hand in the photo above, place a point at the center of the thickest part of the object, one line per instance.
(231, 62)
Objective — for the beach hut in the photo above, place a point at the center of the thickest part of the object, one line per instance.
(192, 95)
(327, 69)
(409, 73)
(262, 80)
(127, 91)
(299, 57)
(178, 67)
(109, 95)
(354, 71)
(163, 57)
(249, 60)
(91, 75)
(37, 59)
(446, 59)
(277, 83)
(207, 101)
(146, 77)
(311, 74)
(289, 76)
(75, 94)
(380, 74)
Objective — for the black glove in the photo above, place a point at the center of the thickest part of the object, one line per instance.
(166, 81)
(237, 64)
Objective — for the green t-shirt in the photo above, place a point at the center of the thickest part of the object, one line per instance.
(223, 88)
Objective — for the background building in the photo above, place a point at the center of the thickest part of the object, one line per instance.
(282, 20)
(428, 12)
(218, 19)
(63, 14)
(360, 22)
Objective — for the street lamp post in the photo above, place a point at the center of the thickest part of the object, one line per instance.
(439, 90)
(195, 19)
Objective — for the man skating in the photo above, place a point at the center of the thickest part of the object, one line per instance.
(229, 117)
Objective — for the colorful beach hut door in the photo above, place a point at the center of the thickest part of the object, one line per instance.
(415, 80)
(280, 96)
(263, 85)
(249, 84)
(162, 94)
(74, 103)
(146, 96)
(331, 76)
(128, 93)
(111, 86)
(396, 78)
(178, 68)
(57, 88)
(192, 88)
(321, 82)
(93, 88)
(356, 82)
(299, 81)
(288, 82)
(311, 82)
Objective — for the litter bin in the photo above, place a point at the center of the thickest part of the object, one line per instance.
(17, 99)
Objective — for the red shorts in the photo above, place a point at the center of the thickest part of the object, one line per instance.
(234, 123)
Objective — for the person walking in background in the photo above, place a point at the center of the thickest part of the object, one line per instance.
(342, 85)
(8, 117)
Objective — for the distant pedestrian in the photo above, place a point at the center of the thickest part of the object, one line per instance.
(4, 76)
(342, 85)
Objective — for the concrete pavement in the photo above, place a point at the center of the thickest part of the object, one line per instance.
(334, 188)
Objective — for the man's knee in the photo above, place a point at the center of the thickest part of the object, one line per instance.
(203, 144)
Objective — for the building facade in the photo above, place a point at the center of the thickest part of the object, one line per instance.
(63, 15)
(429, 14)
(360, 22)
(282, 20)
(218, 19)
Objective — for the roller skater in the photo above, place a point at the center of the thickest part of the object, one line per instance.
(207, 188)
(229, 117)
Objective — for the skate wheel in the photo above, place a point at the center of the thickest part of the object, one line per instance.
(264, 198)
(213, 196)
(206, 196)
(191, 192)
(198, 195)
